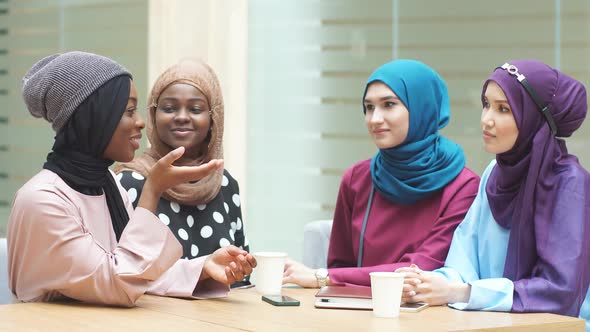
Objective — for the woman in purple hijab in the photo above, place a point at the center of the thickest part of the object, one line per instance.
(524, 245)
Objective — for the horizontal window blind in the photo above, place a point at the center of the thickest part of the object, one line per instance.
(465, 43)
(308, 61)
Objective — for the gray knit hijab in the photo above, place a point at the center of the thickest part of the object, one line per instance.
(84, 96)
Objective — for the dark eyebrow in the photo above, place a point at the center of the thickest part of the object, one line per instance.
(496, 100)
(133, 99)
(390, 97)
(176, 99)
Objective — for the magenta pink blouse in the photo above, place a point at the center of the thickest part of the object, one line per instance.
(396, 235)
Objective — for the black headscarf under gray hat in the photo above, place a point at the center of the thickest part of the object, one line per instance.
(84, 95)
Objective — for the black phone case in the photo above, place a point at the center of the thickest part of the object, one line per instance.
(292, 302)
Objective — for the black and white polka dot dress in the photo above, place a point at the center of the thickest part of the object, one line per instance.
(200, 229)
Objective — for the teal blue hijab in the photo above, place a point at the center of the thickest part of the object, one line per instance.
(426, 161)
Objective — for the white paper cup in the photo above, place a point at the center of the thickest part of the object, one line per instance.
(269, 272)
(386, 290)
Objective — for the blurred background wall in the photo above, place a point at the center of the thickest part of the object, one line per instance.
(292, 73)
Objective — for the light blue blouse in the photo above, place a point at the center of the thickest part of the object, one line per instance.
(479, 260)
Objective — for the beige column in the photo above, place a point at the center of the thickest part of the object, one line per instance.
(217, 32)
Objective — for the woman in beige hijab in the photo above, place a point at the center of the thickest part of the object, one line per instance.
(185, 108)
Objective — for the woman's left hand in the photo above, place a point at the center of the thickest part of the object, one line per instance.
(228, 265)
(431, 288)
(299, 274)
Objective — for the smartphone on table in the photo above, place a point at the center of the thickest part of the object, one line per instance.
(413, 307)
(280, 300)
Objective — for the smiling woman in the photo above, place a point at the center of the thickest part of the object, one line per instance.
(186, 110)
(125, 140)
(183, 118)
(72, 231)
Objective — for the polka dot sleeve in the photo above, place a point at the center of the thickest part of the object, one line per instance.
(235, 212)
(133, 184)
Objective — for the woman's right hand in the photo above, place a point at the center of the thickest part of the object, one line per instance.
(165, 175)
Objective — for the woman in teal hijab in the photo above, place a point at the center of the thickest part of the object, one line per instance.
(403, 205)
(425, 161)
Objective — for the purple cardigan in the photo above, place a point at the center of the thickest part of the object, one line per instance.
(396, 235)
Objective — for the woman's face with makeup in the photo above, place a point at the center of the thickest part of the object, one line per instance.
(497, 121)
(386, 117)
(125, 139)
(182, 117)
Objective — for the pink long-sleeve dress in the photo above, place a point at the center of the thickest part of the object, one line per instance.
(61, 244)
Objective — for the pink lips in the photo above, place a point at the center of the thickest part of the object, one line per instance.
(181, 132)
(135, 141)
(487, 135)
(380, 131)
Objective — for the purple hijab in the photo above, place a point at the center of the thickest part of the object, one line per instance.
(538, 191)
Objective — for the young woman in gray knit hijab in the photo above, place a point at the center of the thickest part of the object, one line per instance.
(72, 231)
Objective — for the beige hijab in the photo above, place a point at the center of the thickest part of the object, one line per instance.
(202, 77)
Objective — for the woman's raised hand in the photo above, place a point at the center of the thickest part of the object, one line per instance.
(165, 175)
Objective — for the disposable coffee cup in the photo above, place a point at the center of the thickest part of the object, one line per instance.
(268, 274)
(386, 290)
